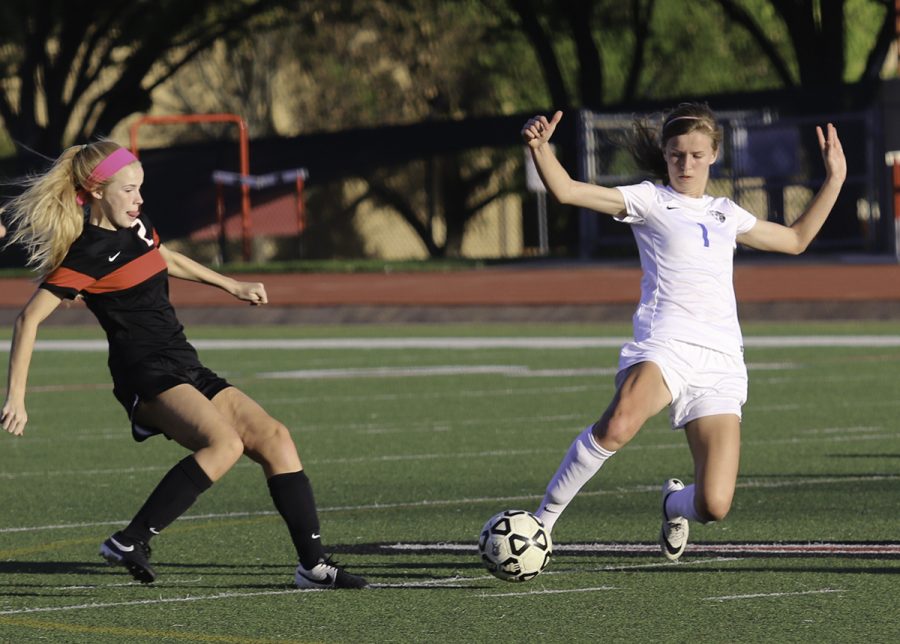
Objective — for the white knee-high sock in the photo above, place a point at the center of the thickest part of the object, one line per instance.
(681, 504)
(581, 462)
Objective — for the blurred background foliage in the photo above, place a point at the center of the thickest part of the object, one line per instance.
(75, 70)
(71, 70)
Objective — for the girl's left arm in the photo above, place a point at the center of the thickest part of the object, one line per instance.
(183, 267)
(794, 239)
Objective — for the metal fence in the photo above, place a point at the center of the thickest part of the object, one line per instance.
(770, 165)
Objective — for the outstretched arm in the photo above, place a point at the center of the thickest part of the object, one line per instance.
(13, 415)
(794, 239)
(536, 133)
(183, 267)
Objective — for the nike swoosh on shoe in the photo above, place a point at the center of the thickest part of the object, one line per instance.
(328, 581)
(669, 548)
(120, 546)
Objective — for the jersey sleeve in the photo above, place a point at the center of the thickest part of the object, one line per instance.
(745, 219)
(66, 283)
(639, 199)
(71, 277)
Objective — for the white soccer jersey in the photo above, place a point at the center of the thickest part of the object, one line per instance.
(686, 247)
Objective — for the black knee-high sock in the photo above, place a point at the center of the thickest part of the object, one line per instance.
(293, 498)
(174, 494)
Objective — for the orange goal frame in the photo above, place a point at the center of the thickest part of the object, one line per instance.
(244, 138)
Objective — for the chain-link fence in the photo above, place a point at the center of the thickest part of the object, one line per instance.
(486, 203)
(770, 165)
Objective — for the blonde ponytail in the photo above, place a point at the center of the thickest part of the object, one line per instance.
(46, 218)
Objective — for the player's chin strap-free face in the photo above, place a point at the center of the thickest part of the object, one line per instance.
(104, 171)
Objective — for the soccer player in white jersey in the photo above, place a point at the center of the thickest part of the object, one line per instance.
(687, 348)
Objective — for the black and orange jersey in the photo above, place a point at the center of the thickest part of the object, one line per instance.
(123, 279)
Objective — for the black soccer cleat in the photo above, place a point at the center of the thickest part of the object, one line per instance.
(326, 575)
(133, 554)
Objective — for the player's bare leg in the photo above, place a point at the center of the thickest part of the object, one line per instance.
(642, 394)
(715, 446)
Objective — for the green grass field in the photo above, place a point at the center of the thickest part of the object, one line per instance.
(413, 437)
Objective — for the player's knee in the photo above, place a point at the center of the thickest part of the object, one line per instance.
(219, 453)
(273, 445)
(615, 431)
(713, 508)
(273, 437)
(228, 448)
(283, 442)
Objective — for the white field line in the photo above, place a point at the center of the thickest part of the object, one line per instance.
(561, 423)
(863, 429)
(636, 489)
(766, 595)
(531, 593)
(473, 343)
(513, 371)
(131, 584)
(454, 393)
(151, 602)
(424, 426)
(453, 582)
(461, 582)
(858, 434)
(435, 370)
(733, 550)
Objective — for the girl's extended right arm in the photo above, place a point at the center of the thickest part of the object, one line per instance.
(13, 415)
(536, 133)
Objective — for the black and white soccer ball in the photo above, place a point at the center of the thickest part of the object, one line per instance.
(515, 546)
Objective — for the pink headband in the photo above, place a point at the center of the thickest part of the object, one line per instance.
(105, 170)
(110, 165)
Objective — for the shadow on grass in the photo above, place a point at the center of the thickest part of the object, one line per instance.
(434, 562)
(50, 568)
(14, 573)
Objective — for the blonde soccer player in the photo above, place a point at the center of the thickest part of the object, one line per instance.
(85, 233)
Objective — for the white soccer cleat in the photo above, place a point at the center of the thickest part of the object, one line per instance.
(673, 536)
(325, 575)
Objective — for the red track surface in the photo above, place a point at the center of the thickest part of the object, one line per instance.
(793, 283)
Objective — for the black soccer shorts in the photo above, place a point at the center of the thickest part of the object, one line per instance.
(156, 374)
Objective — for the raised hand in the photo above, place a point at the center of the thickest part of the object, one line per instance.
(832, 153)
(538, 130)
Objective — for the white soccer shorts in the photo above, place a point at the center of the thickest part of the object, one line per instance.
(702, 381)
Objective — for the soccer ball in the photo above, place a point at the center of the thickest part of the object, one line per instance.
(515, 545)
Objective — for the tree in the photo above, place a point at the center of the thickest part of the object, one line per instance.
(594, 53)
(71, 70)
(455, 188)
(818, 35)
(377, 63)
(544, 23)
